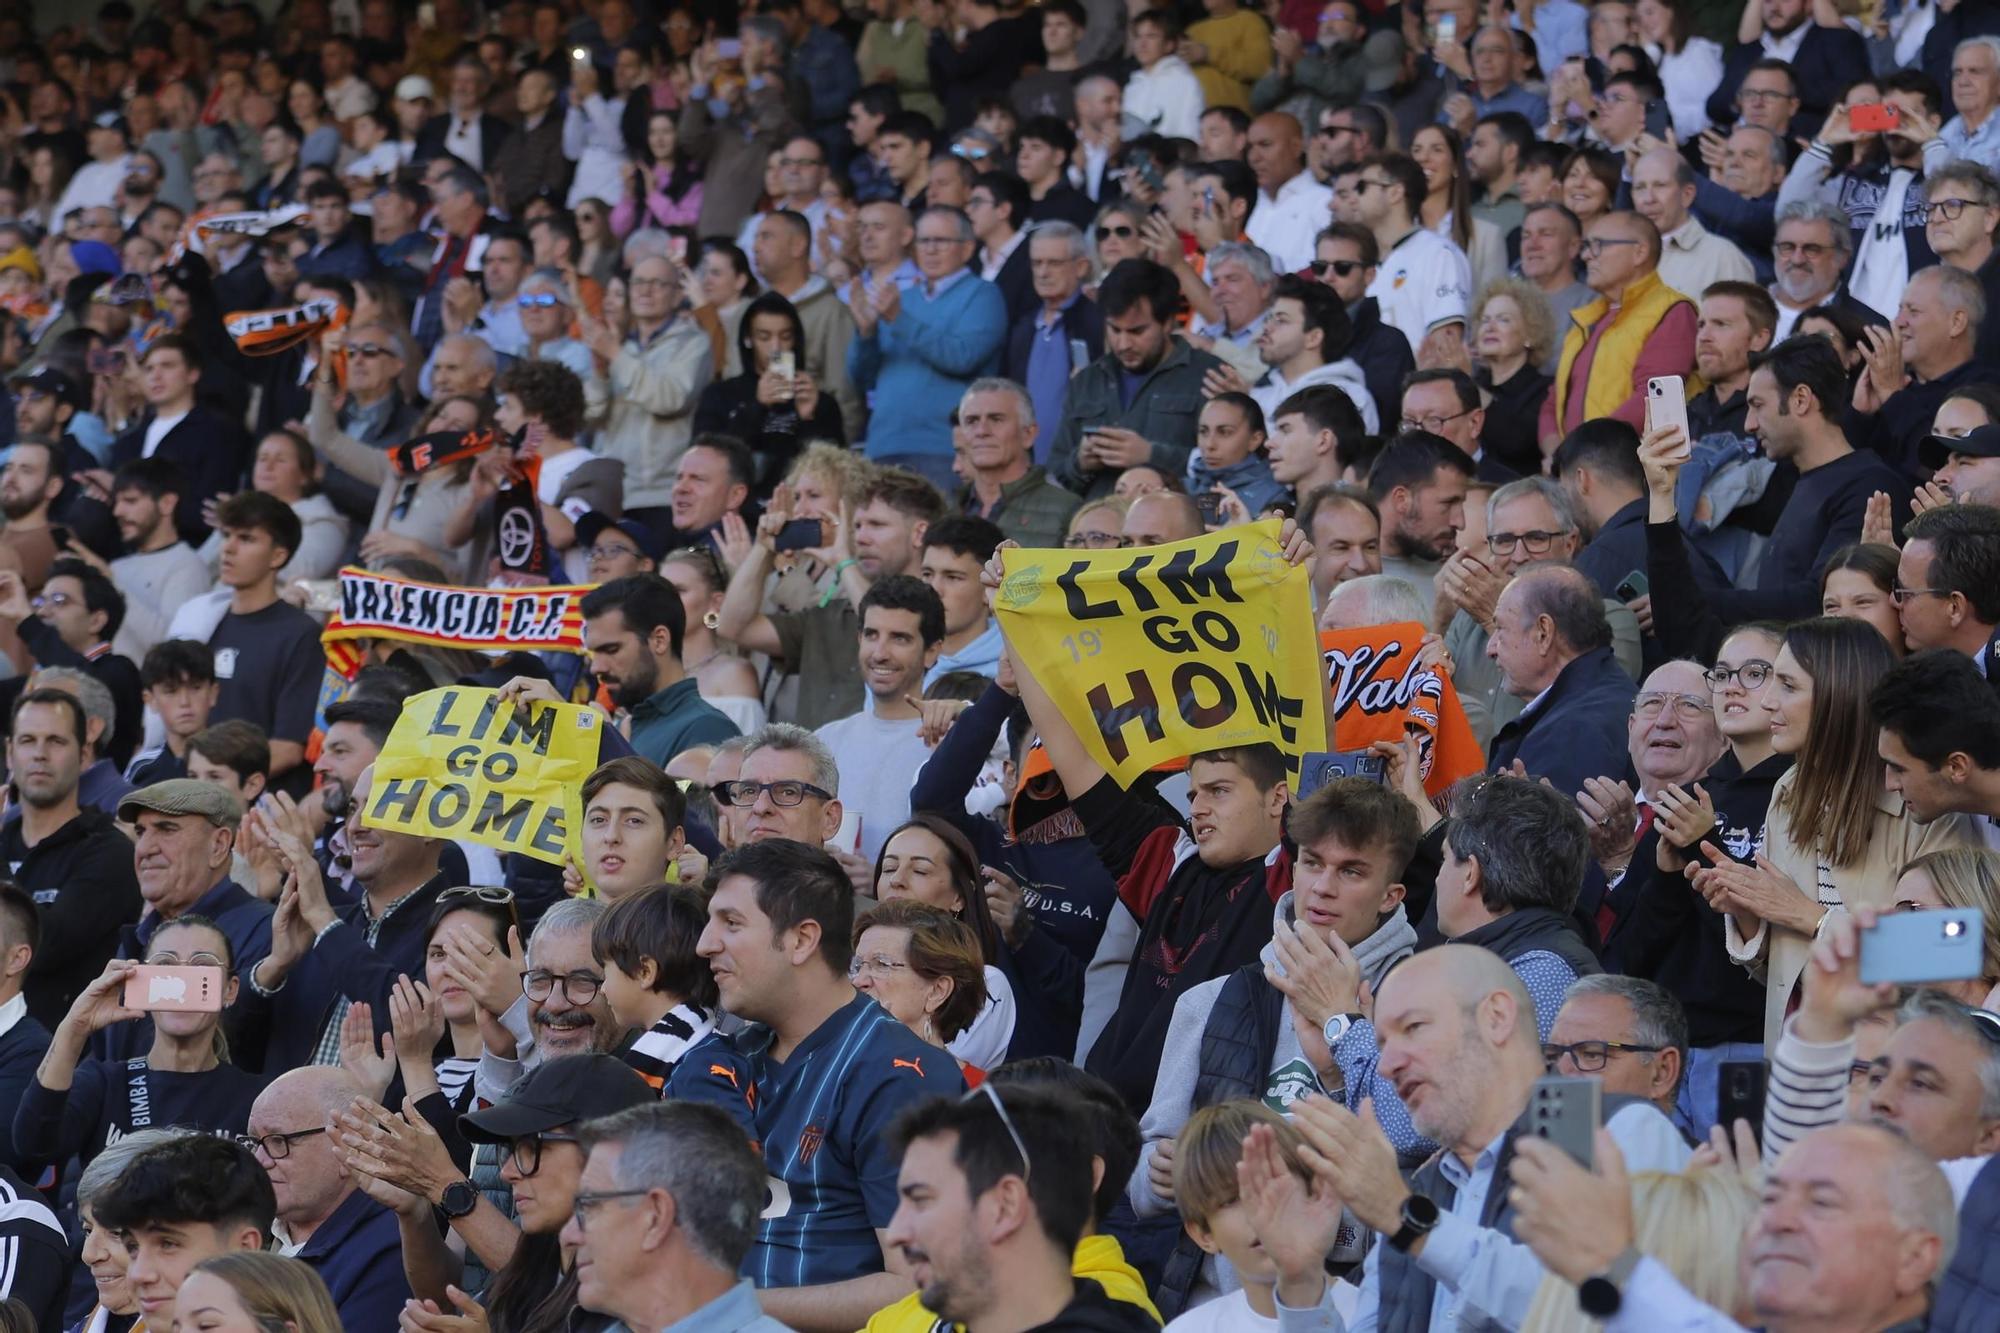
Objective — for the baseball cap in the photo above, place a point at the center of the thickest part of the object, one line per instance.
(415, 88)
(1982, 442)
(95, 257)
(21, 257)
(563, 1091)
(592, 525)
(184, 796)
(109, 120)
(56, 385)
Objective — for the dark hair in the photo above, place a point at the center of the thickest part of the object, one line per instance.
(1872, 560)
(1461, 384)
(564, 225)
(964, 871)
(797, 883)
(1837, 773)
(1114, 1131)
(1131, 281)
(1573, 604)
(1262, 762)
(1809, 360)
(375, 717)
(1605, 445)
(1641, 80)
(201, 1178)
(1051, 130)
(176, 342)
(1164, 19)
(647, 602)
(1411, 459)
(1529, 839)
(1359, 236)
(1602, 163)
(256, 511)
(1321, 309)
(1938, 704)
(1513, 128)
(1057, 1172)
(912, 125)
(238, 745)
(1246, 407)
(664, 925)
(1757, 303)
(633, 770)
(503, 915)
(1360, 813)
(176, 663)
(878, 99)
(1965, 553)
(1913, 81)
(965, 534)
(549, 390)
(1009, 192)
(906, 592)
(738, 455)
(1325, 407)
(733, 255)
(49, 694)
(325, 189)
(99, 592)
(1337, 493)
(941, 945)
(1404, 170)
(906, 493)
(1236, 179)
(20, 919)
(1543, 153)
(771, 304)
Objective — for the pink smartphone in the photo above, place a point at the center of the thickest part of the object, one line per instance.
(196, 990)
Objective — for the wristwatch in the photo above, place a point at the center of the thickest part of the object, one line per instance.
(1336, 1028)
(1419, 1216)
(459, 1199)
(1601, 1297)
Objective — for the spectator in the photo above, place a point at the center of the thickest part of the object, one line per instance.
(1308, 432)
(1343, 61)
(1812, 253)
(72, 627)
(1598, 466)
(1630, 1033)
(956, 549)
(465, 130)
(1423, 281)
(633, 627)
(1937, 333)
(269, 1288)
(732, 120)
(1418, 482)
(1304, 342)
(997, 204)
(206, 447)
(1553, 647)
(1162, 96)
(1551, 247)
(1005, 486)
(191, 1199)
(1494, 158)
(945, 991)
(1692, 259)
(1938, 732)
(29, 487)
(654, 374)
(1960, 227)
(1346, 531)
(1044, 344)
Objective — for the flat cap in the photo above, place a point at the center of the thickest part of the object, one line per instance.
(184, 796)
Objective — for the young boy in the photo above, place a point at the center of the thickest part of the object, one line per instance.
(234, 755)
(180, 1203)
(634, 819)
(177, 682)
(1163, 94)
(655, 981)
(1285, 1256)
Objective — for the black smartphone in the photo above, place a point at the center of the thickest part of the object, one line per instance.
(1739, 1095)
(1657, 121)
(801, 534)
(59, 535)
(1323, 766)
(1210, 505)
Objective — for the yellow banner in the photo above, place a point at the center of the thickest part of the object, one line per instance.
(1160, 652)
(462, 764)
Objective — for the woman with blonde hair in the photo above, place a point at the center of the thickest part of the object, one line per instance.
(1513, 333)
(1959, 877)
(1693, 1224)
(1098, 525)
(251, 1291)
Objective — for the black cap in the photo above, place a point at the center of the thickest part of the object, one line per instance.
(56, 385)
(563, 1091)
(1982, 442)
(593, 524)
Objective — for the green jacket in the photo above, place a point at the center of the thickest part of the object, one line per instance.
(1031, 510)
(1164, 411)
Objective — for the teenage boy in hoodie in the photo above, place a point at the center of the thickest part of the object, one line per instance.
(1265, 1030)
(1163, 94)
(1304, 342)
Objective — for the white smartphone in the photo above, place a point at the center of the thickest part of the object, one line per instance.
(1667, 405)
(848, 839)
(1447, 28)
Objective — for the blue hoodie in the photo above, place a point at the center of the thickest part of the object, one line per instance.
(1251, 479)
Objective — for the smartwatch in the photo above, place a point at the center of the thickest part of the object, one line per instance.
(1601, 1296)
(1336, 1028)
(459, 1199)
(1420, 1215)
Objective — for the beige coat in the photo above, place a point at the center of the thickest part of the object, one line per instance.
(1778, 955)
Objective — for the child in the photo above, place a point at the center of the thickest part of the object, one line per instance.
(634, 819)
(1223, 1223)
(234, 755)
(655, 981)
(1229, 451)
(177, 683)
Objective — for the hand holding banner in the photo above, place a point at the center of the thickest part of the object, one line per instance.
(1381, 691)
(1159, 652)
(462, 763)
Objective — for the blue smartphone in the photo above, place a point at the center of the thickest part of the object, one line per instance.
(1918, 948)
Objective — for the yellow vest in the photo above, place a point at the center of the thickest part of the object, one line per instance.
(1097, 1257)
(1646, 303)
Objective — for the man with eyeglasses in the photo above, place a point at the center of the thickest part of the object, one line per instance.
(1810, 258)
(1928, 357)
(788, 786)
(323, 1218)
(1627, 1033)
(832, 1071)
(1948, 581)
(1817, 63)
(665, 1212)
(1447, 404)
(373, 412)
(1961, 226)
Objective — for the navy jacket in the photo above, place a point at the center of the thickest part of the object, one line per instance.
(1619, 549)
(1384, 356)
(1082, 320)
(82, 880)
(1750, 223)
(358, 1252)
(1827, 61)
(210, 451)
(245, 920)
(21, 1050)
(1577, 730)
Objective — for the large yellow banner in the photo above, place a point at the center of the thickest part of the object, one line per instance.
(460, 763)
(1160, 652)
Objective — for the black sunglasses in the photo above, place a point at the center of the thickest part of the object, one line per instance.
(1344, 267)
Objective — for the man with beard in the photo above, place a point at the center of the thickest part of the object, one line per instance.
(323, 960)
(32, 480)
(966, 1165)
(161, 573)
(633, 628)
(74, 861)
(1419, 483)
(1458, 1039)
(1735, 323)
(1810, 254)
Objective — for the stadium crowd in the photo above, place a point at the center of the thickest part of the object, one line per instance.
(1631, 368)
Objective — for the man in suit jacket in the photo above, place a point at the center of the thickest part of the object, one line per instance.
(1040, 344)
(207, 447)
(466, 131)
(535, 161)
(1823, 61)
(998, 207)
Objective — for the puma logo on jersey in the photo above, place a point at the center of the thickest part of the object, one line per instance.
(916, 1064)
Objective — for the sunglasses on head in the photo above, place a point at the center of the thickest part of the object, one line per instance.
(1344, 267)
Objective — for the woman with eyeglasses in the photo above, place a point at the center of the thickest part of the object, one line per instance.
(1098, 525)
(1447, 205)
(251, 1291)
(724, 678)
(287, 467)
(1671, 935)
(1859, 583)
(924, 966)
(76, 1104)
(1960, 877)
(1835, 836)
(1513, 332)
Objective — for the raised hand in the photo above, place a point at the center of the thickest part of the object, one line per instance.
(1297, 1223)
(368, 1067)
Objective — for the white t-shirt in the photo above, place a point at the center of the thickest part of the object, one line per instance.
(984, 1044)
(1232, 1313)
(878, 760)
(1422, 283)
(157, 430)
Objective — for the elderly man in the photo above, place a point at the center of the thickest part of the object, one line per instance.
(788, 786)
(1739, 203)
(324, 960)
(1691, 258)
(1458, 1039)
(1936, 334)
(324, 1219)
(462, 367)
(915, 352)
(547, 310)
(1551, 242)
(1241, 279)
(1963, 219)
(1637, 328)
(1003, 484)
(1973, 135)
(1811, 254)
(666, 1210)
(1552, 644)
(1627, 1033)
(653, 376)
(1042, 346)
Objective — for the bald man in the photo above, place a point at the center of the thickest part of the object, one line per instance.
(1459, 1044)
(1161, 517)
(1292, 207)
(324, 1219)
